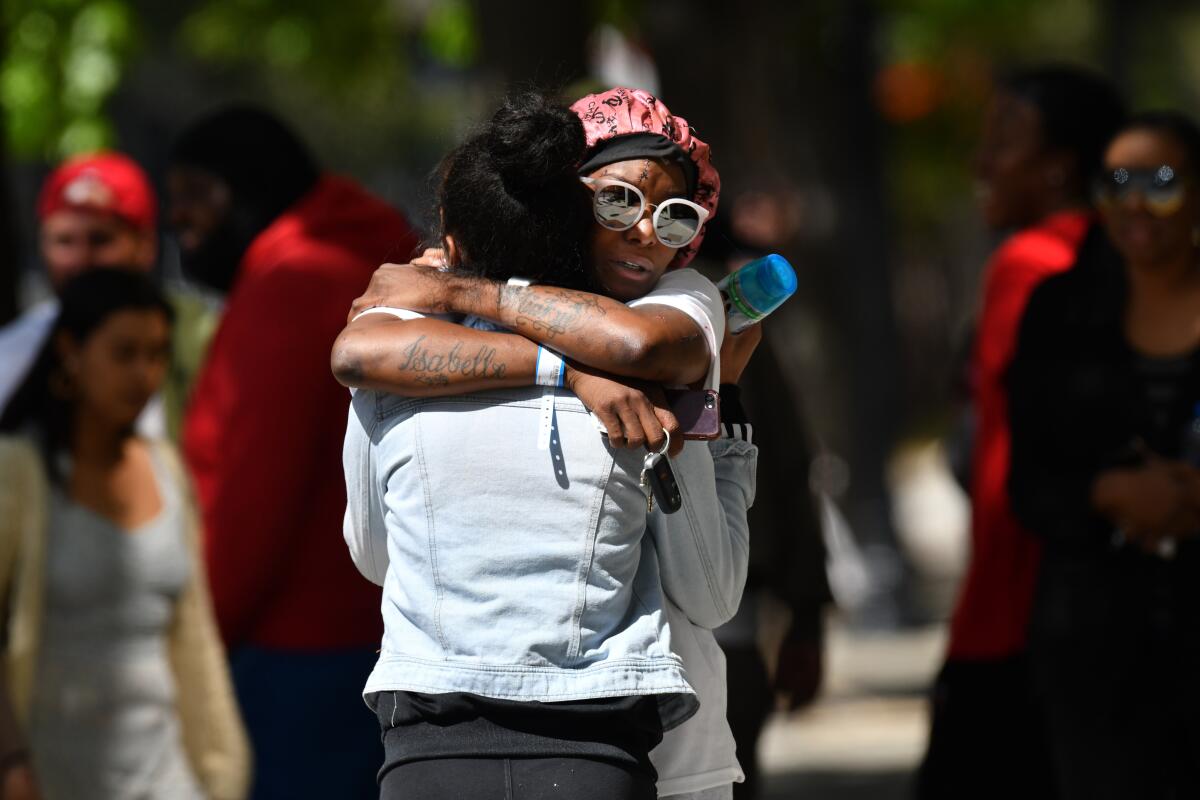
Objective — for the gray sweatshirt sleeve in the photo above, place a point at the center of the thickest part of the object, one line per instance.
(703, 549)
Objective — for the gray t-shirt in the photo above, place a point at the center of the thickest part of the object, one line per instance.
(104, 723)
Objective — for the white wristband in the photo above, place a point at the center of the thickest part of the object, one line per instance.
(550, 368)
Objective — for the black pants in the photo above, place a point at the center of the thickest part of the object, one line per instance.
(1124, 722)
(514, 779)
(988, 735)
(329, 734)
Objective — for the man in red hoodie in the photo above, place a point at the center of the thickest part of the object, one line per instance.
(292, 246)
(1043, 137)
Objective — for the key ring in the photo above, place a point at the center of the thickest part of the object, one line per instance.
(666, 443)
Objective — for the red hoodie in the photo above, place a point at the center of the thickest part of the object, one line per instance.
(264, 428)
(993, 608)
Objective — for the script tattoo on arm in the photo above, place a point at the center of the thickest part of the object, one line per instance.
(434, 367)
(654, 343)
(550, 311)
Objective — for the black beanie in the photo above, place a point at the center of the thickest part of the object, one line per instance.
(633, 146)
(266, 166)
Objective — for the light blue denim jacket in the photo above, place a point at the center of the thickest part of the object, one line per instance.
(520, 573)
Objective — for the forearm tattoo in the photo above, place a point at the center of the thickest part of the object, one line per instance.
(550, 311)
(434, 367)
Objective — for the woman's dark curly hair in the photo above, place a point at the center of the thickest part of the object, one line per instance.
(1172, 124)
(510, 197)
(86, 303)
(1079, 111)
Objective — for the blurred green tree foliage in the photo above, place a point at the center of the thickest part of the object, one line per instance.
(939, 57)
(348, 49)
(937, 64)
(61, 60)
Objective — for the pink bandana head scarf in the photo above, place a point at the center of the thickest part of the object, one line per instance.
(621, 111)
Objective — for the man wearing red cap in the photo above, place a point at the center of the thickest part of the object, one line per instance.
(95, 210)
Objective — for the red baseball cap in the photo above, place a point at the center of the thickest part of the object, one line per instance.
(106, 182)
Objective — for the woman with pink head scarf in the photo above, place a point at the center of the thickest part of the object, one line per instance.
(652, 188)
(633, 125)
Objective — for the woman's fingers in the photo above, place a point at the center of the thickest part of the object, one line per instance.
(736, 350)
(665, 418)
(383, 282)
(635, 434)
(432, 257)
(652, 425)
(612, 424)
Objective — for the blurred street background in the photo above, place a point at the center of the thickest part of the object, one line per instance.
(843, 131)
(865, 735)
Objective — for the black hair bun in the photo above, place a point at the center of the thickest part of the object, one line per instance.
(511, 197)
(535, 145)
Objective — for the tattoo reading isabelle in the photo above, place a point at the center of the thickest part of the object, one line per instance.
(435, 368)
(551, 311)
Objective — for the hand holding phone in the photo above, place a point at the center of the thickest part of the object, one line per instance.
(698, 412)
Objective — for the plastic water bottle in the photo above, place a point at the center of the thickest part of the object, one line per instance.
(756, 290)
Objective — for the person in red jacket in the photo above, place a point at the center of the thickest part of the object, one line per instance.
(292, 247)
(1043, 137)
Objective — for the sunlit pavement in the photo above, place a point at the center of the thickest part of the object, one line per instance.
(865, 735)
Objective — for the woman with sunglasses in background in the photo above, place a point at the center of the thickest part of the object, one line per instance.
(1105, 410)
(116, 680)
(374, 352)
(1043, 138)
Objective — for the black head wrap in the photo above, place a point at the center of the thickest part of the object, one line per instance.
(633, 146)
(266, 166)
(267, 169)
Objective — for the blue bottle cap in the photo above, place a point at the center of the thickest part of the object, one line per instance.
(766, 282)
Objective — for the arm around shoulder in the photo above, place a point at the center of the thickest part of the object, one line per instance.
(429, 357)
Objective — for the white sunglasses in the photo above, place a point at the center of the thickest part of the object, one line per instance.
(619, 206)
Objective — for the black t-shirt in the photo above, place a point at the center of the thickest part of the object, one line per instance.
(1164, 383)
(420, 726)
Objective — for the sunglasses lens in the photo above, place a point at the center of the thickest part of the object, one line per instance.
(678, 224)
(1163, 201)
(1112, 186)
(1161, 191)
(617, 207)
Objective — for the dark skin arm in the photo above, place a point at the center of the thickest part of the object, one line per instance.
(429, 357)
(435, 358)
(1152, 502)
(655, 343)
(800, 664)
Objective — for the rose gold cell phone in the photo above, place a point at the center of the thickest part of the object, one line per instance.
(698, 412)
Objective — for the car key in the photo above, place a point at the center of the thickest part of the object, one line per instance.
(658, 481)
(646, 488)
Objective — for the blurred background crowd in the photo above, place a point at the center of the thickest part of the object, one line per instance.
(886, 147)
